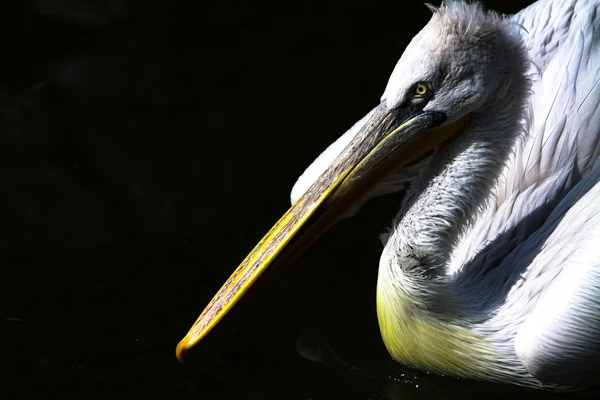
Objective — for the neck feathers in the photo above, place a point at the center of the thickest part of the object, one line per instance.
(456, 184)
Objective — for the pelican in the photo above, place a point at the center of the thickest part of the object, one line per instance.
(491, 268)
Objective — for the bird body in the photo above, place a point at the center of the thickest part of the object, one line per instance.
(491, 268)
(512, 235)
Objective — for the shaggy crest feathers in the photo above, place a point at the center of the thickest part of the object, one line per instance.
(465, 19)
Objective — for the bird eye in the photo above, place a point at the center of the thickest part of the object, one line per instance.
(422, 90)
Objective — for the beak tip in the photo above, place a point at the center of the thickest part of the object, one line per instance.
(182, 349)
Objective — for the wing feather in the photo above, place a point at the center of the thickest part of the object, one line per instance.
(558, 342)
(562, 137)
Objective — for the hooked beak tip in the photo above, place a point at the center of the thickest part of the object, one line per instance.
(182, 349)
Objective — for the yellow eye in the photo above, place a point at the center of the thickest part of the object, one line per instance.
(422, 89)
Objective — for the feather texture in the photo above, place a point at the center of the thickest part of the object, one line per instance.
(497, 238)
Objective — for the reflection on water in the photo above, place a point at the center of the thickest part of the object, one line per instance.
(146, 148)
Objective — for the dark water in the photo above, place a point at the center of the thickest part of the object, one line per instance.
(145, 150)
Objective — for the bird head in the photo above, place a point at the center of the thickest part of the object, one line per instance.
(450, 70)
(460, 61)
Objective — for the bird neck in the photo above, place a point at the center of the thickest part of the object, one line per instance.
(415, 302)
(454, 187)
(449, 193)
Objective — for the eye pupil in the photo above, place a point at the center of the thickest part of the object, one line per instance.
(421, 91)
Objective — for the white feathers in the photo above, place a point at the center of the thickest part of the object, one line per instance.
(558, 299)
(530, 260)
(471, 72)
(500, 231)
(564, 104)
(561, 142)
(443, 52)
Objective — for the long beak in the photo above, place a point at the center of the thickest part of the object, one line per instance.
(388, 141)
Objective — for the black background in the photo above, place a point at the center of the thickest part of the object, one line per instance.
(145, 148)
